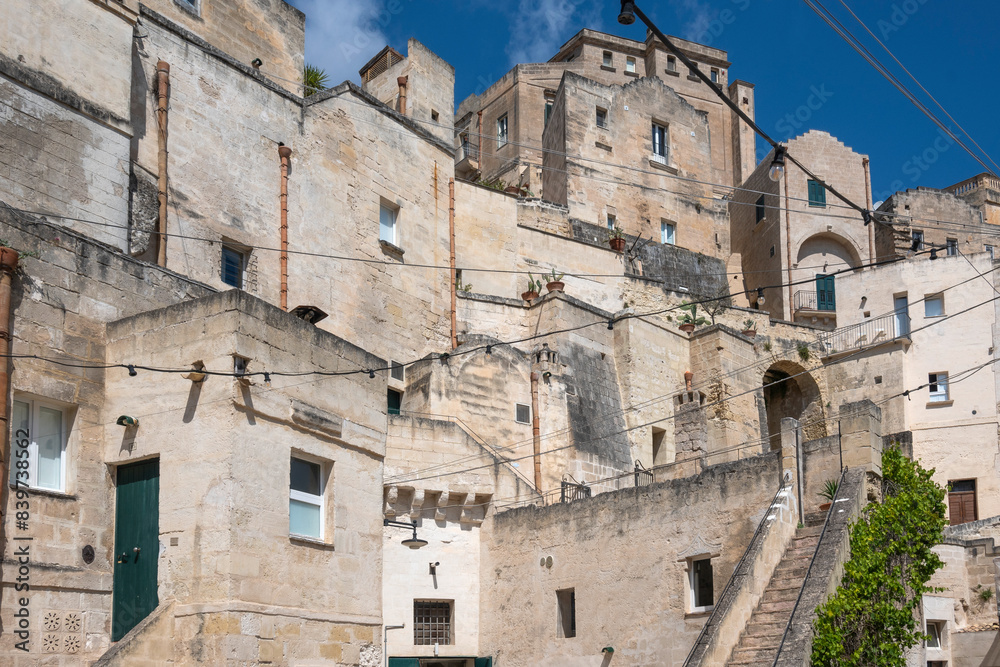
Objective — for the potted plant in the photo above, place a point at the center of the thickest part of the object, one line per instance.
(534, 287)
(554, 282)
(749, 327)
(829, 492)
(616, 239)
(690, 319)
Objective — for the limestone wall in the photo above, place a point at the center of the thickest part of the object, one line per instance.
(922, 209)
(626, 589)
(271, 30)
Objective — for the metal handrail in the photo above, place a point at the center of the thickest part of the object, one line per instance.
(736, 571)
(826, 522)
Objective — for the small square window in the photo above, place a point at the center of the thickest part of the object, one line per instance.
(432, 622)
(630, 64)
(934, 305)
(566, 603)
(937, 386)
(612, 220)
(387, 215)
(772, 251)
(522, 413)
(667, 232)
(934, 634)
(817, 193)
(761, 209)
(951, 246)
(608, 59)
(671, 64)
(659, 142)
(989, 250)
(233, 266)
(397, 370)
(693, 71)
(602, 117)
(394, 401)
(38, 444)
(702, 585)
(917, 239)
(305, 499)
(502, 131)
(434, 115)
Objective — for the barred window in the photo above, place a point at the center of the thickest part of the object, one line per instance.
(431, 623)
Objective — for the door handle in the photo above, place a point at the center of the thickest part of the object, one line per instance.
(136, 551)
(123, 558)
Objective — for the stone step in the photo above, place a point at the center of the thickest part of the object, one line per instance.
(754, 629)
(808, 530)
(769, 618)
(815, 519)
(752, 656)
(776, 607)
(760, 641)
(781, 594)
(790, 570)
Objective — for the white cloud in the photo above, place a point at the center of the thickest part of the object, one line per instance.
(701, 15)
(540, 27)
(342, 35)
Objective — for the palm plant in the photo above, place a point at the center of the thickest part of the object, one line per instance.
(313, 80)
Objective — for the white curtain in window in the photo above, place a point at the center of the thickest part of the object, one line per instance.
(49, 439)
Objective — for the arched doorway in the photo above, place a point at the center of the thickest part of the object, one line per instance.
(790, 391)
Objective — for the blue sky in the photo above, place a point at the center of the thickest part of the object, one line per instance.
(806, 77)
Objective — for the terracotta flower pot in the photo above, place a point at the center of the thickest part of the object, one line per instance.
(750, 332)
(512, 189)
(687, 328)
(529, 296)
(824, 507)
(8, 259)
(618, 245)
(555, 286)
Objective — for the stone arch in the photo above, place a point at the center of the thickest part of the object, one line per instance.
(827, 248)
(796, 395)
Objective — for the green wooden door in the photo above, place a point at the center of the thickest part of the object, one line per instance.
(404, 662)
(484, 662)
(137, 528)
(826, 298)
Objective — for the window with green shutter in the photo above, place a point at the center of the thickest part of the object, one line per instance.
(817, 194)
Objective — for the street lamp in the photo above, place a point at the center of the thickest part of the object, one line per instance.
(777, 169)
(627, 15)
(411, 542)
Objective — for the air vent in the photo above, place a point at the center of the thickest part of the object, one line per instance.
(522, 414)
(397, 370)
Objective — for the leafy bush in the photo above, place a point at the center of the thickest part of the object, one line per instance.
(872, 618)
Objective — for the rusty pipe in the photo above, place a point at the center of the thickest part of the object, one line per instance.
(284, 152)
(868, 205)
(451, 262)
(162, 88)
(536, 437)
(787, 311)
(401, 82)
(479, 154)
(8, 264)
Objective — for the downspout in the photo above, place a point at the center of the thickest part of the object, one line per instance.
(535, 434)
(788, 250)
(451, 262)
(8, 264)
(480, 133)
(162, 85)
(868, 205)
(385, 639)
(284, 152)
(401, 82)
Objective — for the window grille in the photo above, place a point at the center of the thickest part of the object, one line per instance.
(431, 623)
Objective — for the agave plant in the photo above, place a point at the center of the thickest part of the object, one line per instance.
(829, 490)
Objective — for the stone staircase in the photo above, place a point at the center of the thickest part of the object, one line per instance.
(762, 635)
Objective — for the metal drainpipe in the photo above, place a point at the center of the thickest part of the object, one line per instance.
(451, 260)
(868, 205)
(162, 86)
(535, 434)
(401, 82)
(8, 264)
(480, 149)
(284, 152)
(385, 640)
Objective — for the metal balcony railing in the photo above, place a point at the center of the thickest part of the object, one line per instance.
(870, 332)
(806, 300)
(469, 151)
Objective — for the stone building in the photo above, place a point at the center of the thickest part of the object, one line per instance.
(257, 324)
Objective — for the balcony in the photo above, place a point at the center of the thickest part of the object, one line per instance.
(808, 307)
(980, 182)
(891, 327)
(467, 161)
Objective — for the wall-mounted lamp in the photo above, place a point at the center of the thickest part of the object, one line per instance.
(760, 296)
(434, 566)
(547, 374)
(627, 14)
(131, 371)
(125, 420)
(608, 649)
(411, 542)
(256, 63)
(196, 374)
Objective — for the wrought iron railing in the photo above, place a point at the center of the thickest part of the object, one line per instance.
(643, 477)
(571, 491)
(870, 332)
(806, 300)
(469, 151)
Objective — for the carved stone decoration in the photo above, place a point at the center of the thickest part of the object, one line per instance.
(50, 643)
(699, 547)
(72, 622)
(71, 643)
(52, 621)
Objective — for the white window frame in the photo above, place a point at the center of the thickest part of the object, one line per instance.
(917, 235)
(388, 232)
(951, 247)
(935, 638)
(692, 586)
(660, 138)
(597, 117)
(668, 233)
(612, 220)
(714, 75)
(931, 299)
(502, 131)
(671, 64)
(17, 438)
(308, 498)
(630, 64)
(608, 59)
(937, 387)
